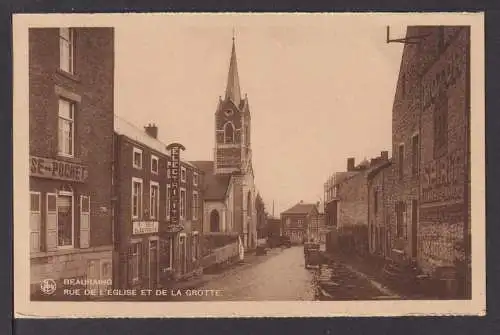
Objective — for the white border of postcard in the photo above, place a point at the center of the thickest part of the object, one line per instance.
(24, 308)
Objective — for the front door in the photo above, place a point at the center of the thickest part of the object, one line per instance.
(182, 253)
(153, 264)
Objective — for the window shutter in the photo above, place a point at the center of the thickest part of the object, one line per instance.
(84, 221)
(51, 224)
(35, 222)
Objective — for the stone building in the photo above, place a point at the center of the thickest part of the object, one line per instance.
(229, 179)
(71, 82)
(296, 220)
(430, 212)
(151, 250)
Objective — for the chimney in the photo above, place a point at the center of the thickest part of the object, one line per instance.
(350, 164)
(151, 130)
(384, 155)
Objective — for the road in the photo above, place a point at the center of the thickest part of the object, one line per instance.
(281, 276)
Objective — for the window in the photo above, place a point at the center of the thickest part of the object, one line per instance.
(375, 201)
(65, 220)
(154, 164)
(84, 221)
(441, 126)
(195, 206)
(195, 246)
(183, 174)
(195, 179)
(229, 132)
(35, 221)
(66, 50)
(136, 198)
(167, 202)
(300, 222)
(400, 218)
(401, 156)
(415, 155)
(288, 222)
(137, 158)
(134, 262)
(66, 127)
(154, 197)
(182, 204)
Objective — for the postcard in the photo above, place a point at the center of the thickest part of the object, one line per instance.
(249, 165)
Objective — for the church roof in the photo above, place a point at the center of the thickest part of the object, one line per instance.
(215, 186)
(300, 208)
(233, 91)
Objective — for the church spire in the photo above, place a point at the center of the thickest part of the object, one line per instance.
(233, 82)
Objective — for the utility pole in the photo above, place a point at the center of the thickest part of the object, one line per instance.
(273, 209)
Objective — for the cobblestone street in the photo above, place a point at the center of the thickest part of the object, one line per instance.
(282, 276)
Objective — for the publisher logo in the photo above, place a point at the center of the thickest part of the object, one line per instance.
(48, 286)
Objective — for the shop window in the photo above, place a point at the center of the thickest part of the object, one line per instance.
(35, 221)
(167, 202)
(84, 221)
(137, 158)
(182, 205)
(195, 206)
(59, 220)
(66, 50)
(195, 179)
(134, 265)
(66, 126)
(136, 198)
(154, 197)
(154, 164)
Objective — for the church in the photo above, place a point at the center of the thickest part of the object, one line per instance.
(229, 191)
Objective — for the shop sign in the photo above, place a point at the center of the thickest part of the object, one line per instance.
(55, 169)
(174, 167)
(144, 227)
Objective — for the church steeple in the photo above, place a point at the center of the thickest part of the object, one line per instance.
(233, 82)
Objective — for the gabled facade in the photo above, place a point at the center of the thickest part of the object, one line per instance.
(296, 221)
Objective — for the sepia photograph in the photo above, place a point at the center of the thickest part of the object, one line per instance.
(282, 162)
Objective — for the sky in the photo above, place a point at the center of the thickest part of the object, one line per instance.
(320, 90)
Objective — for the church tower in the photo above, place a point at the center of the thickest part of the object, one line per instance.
(232, 153)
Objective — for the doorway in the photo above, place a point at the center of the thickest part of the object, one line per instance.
(153, 263)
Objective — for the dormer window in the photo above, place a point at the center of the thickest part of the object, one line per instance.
(229, 132)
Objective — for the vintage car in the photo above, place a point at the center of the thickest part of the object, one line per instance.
(312, 255)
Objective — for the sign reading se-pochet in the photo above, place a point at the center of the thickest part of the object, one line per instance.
(54, 169)
(144, 227)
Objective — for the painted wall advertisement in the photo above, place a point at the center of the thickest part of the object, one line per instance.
(174, 168)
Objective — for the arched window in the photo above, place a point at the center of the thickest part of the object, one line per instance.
(249, 204)
(229, 132)
(214, 221)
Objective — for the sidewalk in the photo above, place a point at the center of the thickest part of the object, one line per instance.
(371, 268)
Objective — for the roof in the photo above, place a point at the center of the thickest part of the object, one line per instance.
(375, 170)
(233, 82)
(215, 186)
(300, 208)
(125, 128)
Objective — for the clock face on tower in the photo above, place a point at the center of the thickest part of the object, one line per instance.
(228, 112)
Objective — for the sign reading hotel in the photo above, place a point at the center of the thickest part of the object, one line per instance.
(55, 169)
(144, 227)
(174, 168)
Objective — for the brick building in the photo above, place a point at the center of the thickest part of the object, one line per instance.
(150, 250)
(296, 220)
(71, 80)
(430, 212)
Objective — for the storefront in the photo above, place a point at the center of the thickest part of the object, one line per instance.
(62, 210)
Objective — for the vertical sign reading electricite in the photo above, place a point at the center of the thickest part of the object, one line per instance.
(174, 167)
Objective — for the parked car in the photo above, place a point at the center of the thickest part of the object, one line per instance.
(285, 241)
